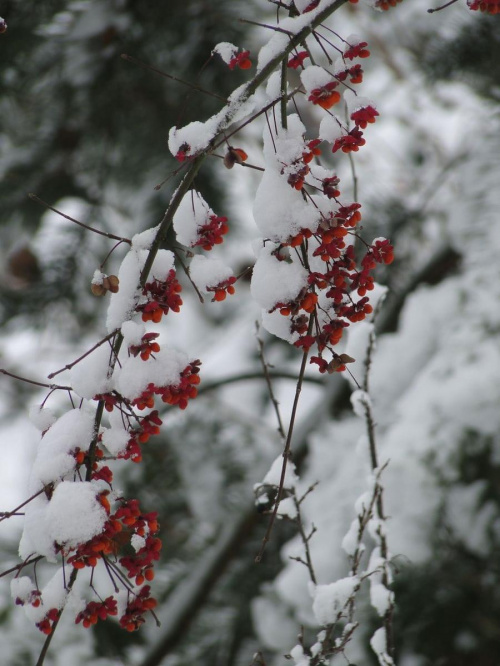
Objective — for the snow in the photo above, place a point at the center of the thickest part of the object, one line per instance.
(144, 240)
(41, 417)
(330, 128)
(208, 272)
(275, 323)
(360, 401)
(350, 541)
(54, 595)
(378, 645)
(122, 304)
(163, 370)
(89, 377)
(380, 597)
(132, 333)
(36, 538)
(275, 281)
(330, 600)
(273, 476)
(162, 264)
(74, 514)
(299, 657)
(116, 438)
(226, 50)
(314, 76)
(273, 88)
(21, 588)
(137, 542)
(279, 41)
(54, 457)
(192, 213)
(98, 277)
(276, 629)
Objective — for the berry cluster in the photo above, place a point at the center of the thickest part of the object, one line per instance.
(222, 289)
(173, 394)
(137, 606)
(146, 347)
(240, 60)
(485, 6)
(211, 233)
(95, 611)
(336, 294)
(162, 296)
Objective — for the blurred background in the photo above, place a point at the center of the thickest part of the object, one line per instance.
(87, 132)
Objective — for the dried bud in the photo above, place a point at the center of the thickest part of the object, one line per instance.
(97, 289)
(334, 365)
(345, 358)
(23, 265)
(234, 156)
(114, 283)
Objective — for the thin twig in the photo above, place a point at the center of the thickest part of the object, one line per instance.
(21, 566)
(245, 376)
(193, 86)
(188, 275)
(80, 358)
(8, 514)
(243, 164)
(48, 640)
(265, 25)
(52, 387)
(370, 425)
(34, 197)
(265, 369)
(438, 9)
(305, 537)
(286, 450)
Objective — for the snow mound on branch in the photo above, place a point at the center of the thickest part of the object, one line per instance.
(54, 458)
(193, 213)
(329, 600)
(207, 272)
(74, 515)
(164, 370)
(275, 281)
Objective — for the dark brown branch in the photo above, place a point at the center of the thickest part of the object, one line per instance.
(7, 514)
(265, 370)
(31, 381)
(80, 358)
(438, 9)
(21, 566)
(286, 450)
(193, 86)
(48, 640)
(265, 25)
(34, 197)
